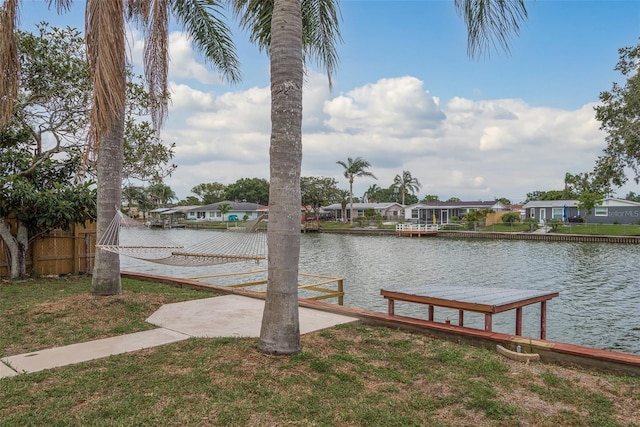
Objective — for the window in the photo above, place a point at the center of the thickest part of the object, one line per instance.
(414, 213)
(602, 211)
(200, 215)
(556, 213)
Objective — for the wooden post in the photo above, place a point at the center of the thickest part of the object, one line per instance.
(341, 292)
(487, 322)
(543, 320)
(431, 311)
(519, 321)
(391, 308)
(460, 317)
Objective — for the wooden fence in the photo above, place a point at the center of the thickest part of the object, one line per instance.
(57, 253)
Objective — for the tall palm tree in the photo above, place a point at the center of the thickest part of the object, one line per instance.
(106, 55)
(224, 209)
(352, 169)
(291, 30)
(488, 22)
(406, 183)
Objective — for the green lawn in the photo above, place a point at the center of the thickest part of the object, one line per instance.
(351, 375)
(600, 229)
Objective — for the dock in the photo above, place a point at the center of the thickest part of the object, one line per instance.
(488, 301)
(416, 230)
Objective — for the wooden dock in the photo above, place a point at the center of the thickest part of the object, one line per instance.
(488, 301)
(416, 230)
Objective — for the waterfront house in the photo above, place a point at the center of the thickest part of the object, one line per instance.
(610, 211)
(238, 211)
(424, 213)
(389, 211)
(168, 217)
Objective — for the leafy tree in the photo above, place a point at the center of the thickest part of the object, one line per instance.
(588, 200)
(41, 138)
(254, 190)
(546, 195)
(38, 193)
(318, 191)
(454, 199)
(210, 192)
(355, 169)
(224, 209)
(632, 196)
(190, 201)
(406, 183)
(504, 201)
(430, 198)
(619, 116)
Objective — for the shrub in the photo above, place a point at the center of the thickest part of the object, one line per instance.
(510, 217)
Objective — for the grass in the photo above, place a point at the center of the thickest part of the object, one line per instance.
(352, 375)
(601, 229)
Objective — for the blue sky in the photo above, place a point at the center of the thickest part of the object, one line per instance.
(407, 97)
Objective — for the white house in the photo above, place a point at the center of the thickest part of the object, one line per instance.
(388, 211)
(442, 212)
(238, 211)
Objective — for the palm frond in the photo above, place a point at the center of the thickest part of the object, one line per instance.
(320, 28)
(153, 18)
(105, 39)
(490, 23)
(9, 61)
(203, 20)
(61, 5)
(321, 32)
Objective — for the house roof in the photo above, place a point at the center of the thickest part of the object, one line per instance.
(551, 204)
(336, 206)
(610, 201)
(235, 206)
(492, 204)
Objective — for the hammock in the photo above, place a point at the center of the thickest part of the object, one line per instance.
(244, 244)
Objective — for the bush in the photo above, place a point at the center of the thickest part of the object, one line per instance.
(510, 217)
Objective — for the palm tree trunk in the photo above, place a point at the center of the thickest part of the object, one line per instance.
(351, 202)
(280, 333)
(106, 270)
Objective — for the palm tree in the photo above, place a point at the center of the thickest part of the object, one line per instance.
(224, 209)
(488, 22)
(406, 183)
(293, 29)
(352, 169)
(106, 55)
(371, 195)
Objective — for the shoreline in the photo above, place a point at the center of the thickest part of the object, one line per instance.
(489, 235)
(550, 351)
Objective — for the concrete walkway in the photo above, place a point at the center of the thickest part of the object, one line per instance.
(223, 316)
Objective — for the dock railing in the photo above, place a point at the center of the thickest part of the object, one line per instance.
(416, 229)
(311, 286)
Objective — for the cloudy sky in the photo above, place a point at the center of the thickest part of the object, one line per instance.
(406, 96)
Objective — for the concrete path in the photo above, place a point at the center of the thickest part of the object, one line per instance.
(223, 316)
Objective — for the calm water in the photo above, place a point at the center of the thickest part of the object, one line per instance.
(598, 306)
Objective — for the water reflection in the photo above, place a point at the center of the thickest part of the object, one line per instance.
(599, 298)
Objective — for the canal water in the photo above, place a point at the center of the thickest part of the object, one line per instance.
(598, 306)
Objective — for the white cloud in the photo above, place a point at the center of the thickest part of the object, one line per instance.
(474, 150)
